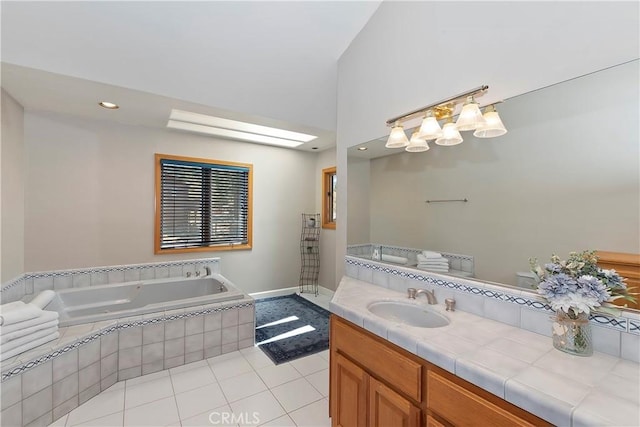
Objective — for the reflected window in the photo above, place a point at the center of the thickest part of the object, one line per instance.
(329, 197)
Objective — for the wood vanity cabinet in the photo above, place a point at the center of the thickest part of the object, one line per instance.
(628, 266)
(376, 383)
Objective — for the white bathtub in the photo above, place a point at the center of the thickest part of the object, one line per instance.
(105, 302)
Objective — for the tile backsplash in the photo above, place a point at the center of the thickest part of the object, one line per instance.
(617, 336)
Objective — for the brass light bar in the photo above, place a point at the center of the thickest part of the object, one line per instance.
(477, 92)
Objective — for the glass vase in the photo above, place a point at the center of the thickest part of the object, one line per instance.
(572, 333)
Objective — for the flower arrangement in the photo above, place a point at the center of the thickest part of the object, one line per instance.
(578, 285)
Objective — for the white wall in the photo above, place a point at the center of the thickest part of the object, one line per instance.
(327, 278)
(566, 177)
(90, 198)
(13, 182)
(413, 53)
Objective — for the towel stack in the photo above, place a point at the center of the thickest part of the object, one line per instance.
(395, 259)
(26, 326)
(433, 261)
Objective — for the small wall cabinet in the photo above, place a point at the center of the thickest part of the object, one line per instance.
(375, 383)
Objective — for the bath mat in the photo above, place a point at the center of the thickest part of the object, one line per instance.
(295, 326)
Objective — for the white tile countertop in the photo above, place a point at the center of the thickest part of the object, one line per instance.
(519, 366)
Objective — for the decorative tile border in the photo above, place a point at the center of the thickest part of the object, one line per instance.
(107, 269)
(621, 324)
(114, 328)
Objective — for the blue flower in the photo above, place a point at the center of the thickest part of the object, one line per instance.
(557, 285)
(553, 268)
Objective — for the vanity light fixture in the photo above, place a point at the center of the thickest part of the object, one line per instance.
(397, 137)
(108, 105)
(493, 125)
(470, 118)
(417, 144)
(450, 135)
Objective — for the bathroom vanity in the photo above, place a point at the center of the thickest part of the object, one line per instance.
(388, 369)
(376, 383)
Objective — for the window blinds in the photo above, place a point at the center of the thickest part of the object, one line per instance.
(203, 204)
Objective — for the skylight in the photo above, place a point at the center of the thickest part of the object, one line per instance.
(226, 128)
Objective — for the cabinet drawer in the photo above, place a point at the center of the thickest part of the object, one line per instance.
(385, 363)
(462, 407)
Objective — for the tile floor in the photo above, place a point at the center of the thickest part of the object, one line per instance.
(234, 389)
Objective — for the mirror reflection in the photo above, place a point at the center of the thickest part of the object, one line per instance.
(564, 178)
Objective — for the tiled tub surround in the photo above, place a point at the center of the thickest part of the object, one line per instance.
(46, 383)
(513, 363)
(32, 283)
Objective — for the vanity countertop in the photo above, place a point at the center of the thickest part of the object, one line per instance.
(519, 366)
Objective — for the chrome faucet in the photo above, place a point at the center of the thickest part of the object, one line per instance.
(207, 270)
(413, 293)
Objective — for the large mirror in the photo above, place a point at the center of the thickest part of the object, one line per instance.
(566, 177)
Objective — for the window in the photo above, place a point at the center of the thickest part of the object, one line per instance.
(202, 205)
(329, 179)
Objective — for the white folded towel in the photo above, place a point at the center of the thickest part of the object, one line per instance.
(46, 316)
(10, 306)
(443, 262)
(28, 346)
(435, 269)
(423, 258)
(446, 267)
(431, 254)
(395, 259)
(43, 298)
(27, 339)
(19, 314)
(7, 337)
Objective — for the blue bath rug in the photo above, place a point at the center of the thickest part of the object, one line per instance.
(291, 314)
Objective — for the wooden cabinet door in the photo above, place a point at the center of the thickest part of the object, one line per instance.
(388, 408)
(432, 422)
(349, 385)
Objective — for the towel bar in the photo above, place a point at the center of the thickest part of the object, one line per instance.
(447, 200)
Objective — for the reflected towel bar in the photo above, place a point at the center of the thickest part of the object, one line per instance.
(448, 200)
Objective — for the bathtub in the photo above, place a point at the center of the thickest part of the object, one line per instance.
(114, 301)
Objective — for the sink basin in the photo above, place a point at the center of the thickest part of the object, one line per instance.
(408, 314)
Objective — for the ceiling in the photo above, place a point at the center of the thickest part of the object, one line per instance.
(272, 63)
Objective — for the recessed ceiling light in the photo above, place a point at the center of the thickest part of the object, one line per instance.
(202, 123)
(108, 105)
(362, 148)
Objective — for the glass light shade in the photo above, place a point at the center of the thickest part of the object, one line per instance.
(416, 143)
(430, 128)
(450, 135)
(470, 117)
(397, 137)
(493, 125)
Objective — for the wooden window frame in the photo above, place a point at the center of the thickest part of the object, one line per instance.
(328, 198)
(158, 207)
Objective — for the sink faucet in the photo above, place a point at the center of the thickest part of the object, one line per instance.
(431, 296)
(207, 270)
